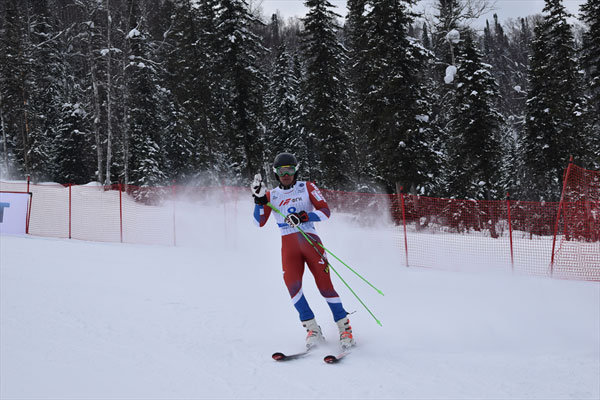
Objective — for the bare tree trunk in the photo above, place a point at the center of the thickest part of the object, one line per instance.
(125, 128)
(108, 95)
(4, 137)
(25, 122)
(97, 118)
(25, 134)
(125, 131)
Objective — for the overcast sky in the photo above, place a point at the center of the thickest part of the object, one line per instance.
(504, 8)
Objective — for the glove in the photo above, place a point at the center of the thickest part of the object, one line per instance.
(295, 219)
(259, 191)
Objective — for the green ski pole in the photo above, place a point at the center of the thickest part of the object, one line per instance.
(355, 295)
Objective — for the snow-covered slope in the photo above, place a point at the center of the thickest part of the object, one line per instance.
(82, 320)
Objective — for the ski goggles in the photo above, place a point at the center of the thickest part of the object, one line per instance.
(286, 170)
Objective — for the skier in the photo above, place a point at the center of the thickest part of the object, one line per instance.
(304, 205)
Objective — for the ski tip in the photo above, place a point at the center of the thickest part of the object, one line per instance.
(278, 356)
(330, 359)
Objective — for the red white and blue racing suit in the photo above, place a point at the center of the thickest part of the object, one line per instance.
(296, 250)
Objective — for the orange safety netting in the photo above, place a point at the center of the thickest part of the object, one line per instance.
(463, 234)
(577, 241)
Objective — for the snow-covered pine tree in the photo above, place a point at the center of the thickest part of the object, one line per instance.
(14, 150)
(177, 139)
(356, 42)
(473, 148)
(45, 90)
(511, 75)
(434, 87)
(146, 159)
(519, 46)
(213, 159)
(452, 15)
(590, 60)
(555, 128)
(519, 35)
(31, 85)
(496, 53)
(187, 59)
(447, 19)
(284, 131)
(290, 34)
(4, 155)
(72, 154)
(425, 39)
(396, 106)
(242, 86)
(324, 97)
(297, 67)
(273, 34)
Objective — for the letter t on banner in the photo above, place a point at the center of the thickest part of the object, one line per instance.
(13, 212)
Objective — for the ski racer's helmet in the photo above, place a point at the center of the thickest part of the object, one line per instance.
(285, 164)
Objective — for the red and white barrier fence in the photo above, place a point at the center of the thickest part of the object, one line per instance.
(561, 239)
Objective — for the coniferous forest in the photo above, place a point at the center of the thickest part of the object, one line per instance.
(149, 92)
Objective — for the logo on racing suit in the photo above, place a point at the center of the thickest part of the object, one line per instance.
(317, 193)
(288, 201)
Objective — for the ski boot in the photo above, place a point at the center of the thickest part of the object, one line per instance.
(314, 336)
(346, 338)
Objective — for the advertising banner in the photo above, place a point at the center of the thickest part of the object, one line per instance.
(13, 212)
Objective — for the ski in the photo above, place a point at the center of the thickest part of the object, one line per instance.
(286, 357)
(332, 359)
(329, 359)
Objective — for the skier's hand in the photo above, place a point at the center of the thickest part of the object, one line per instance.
(295, 219)
(259, 190)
